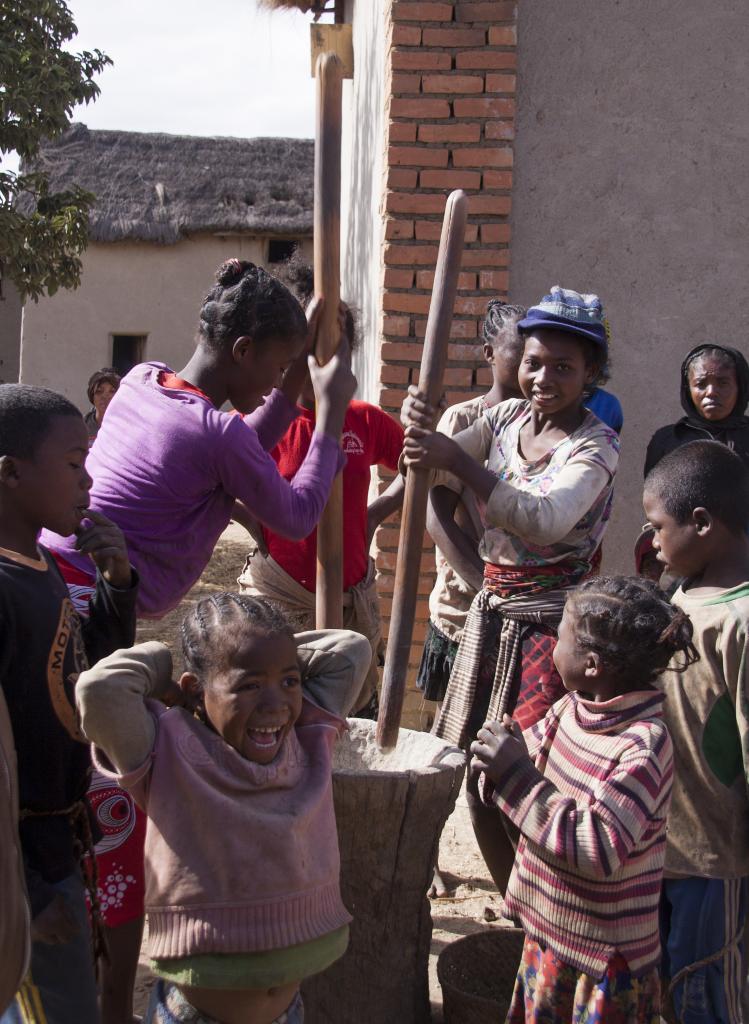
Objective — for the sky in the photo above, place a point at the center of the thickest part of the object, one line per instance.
(198, 67)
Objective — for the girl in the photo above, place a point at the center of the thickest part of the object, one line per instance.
(589, 788)
(714, 396)
(547, 486)
(168, 466)
(285, 571)
(242, 856)
(101, 389)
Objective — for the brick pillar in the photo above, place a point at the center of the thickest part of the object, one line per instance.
(449, 107)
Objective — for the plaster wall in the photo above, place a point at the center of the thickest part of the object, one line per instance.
(630, 181)
(126, 288)
(361, 186)
(10, 333)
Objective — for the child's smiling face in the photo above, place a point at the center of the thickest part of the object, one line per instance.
(554, 371)
(254, 695)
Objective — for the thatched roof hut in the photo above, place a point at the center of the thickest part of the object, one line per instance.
(161, 188)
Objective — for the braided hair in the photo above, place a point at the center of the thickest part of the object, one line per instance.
(500, 328)
(633, 628)
(247, 300)
(206, 626)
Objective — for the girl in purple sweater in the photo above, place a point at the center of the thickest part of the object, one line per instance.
(242, 876)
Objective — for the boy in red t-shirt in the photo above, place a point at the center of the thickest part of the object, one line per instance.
(284, 571)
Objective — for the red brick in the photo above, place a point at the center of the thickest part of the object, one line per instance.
(487, 156)
(489, 10)
(425, 279)
(494, 280)
(399, 177)
(487, 106)
(486, 257)
(392, 398)
(497, 179)
(501, 83)
(422, 11)
(453, 397)
(400, 83)
(417, 156)
(420, 60)
(419, 255)
(495, 233)
(401, 352)
(449, 132)
(465, 353)
(421, 108)
(405, 302)
(499, 130)
(401, 131)
(450, 179)
(478, 59)
(406, 35)
(399, 278)
(453, 83)
(471, 304)
(428, 230)
(484, 377)
(497, 205)
(394, 374)
(414, 202)
(399, 326)
(502, 35)
(453, 37)
(459, 377)
(403, 229)
(458, 328)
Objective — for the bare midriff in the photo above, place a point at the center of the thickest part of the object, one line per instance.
(242, 1006)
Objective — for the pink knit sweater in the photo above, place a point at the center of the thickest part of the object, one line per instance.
(262, 871)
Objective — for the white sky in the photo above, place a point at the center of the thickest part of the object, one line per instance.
(198, 67)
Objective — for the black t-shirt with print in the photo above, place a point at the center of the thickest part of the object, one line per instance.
(44, 646)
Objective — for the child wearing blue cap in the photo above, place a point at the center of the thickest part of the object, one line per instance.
(544, 466)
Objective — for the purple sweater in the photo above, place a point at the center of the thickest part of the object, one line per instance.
(167, 467)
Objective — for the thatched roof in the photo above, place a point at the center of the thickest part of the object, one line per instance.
(160, 188)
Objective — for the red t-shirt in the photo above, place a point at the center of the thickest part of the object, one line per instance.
(370, 438)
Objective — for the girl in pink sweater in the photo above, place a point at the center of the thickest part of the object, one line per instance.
(242, 863)
(588, 788)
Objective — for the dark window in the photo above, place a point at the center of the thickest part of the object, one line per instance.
(127, 351)
(281, 249)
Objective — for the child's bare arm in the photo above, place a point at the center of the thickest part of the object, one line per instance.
(459, 548)
(334, 665)
(111, 702)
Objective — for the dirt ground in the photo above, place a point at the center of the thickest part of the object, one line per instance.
(473, 904)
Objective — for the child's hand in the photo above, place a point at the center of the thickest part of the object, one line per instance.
(56, 924)
(511, 726)
(104, 542)
(334, 385)
(495, 751)
(429, 449)
(417, 411)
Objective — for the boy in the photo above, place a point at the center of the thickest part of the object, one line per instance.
(697, 501)
(43, 648)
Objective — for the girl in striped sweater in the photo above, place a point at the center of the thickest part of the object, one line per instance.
(588, 788)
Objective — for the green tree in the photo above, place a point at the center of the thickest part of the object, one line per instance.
(42, 233)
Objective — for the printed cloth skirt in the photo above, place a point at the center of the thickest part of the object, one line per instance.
(167, 1005)
(436, 664)
(122, 825)
(548, 991)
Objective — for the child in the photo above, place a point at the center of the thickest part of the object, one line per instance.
(168, 465)
(242, 854)
(101, 389)
(548, 487)
(714, 396)
(588, 788)
(284, 571)
(43, 648)
(697, 501)
(454, 517)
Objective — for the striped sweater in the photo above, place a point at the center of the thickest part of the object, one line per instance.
(591, 806)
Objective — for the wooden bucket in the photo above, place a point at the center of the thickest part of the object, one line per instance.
(391, 808)
(477, 975)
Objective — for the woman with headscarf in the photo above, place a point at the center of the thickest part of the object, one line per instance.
(714, 396)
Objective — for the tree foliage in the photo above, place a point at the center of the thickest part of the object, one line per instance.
(42, 233)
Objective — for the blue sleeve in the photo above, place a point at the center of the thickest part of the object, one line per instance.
(607, 408)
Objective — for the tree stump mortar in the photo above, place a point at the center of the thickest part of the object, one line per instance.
(391, 808)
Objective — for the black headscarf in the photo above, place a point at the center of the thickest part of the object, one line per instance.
(737, 420)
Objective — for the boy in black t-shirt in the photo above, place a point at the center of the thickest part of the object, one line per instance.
(43, 648)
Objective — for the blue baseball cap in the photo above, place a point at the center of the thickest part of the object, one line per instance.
(565, 310)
